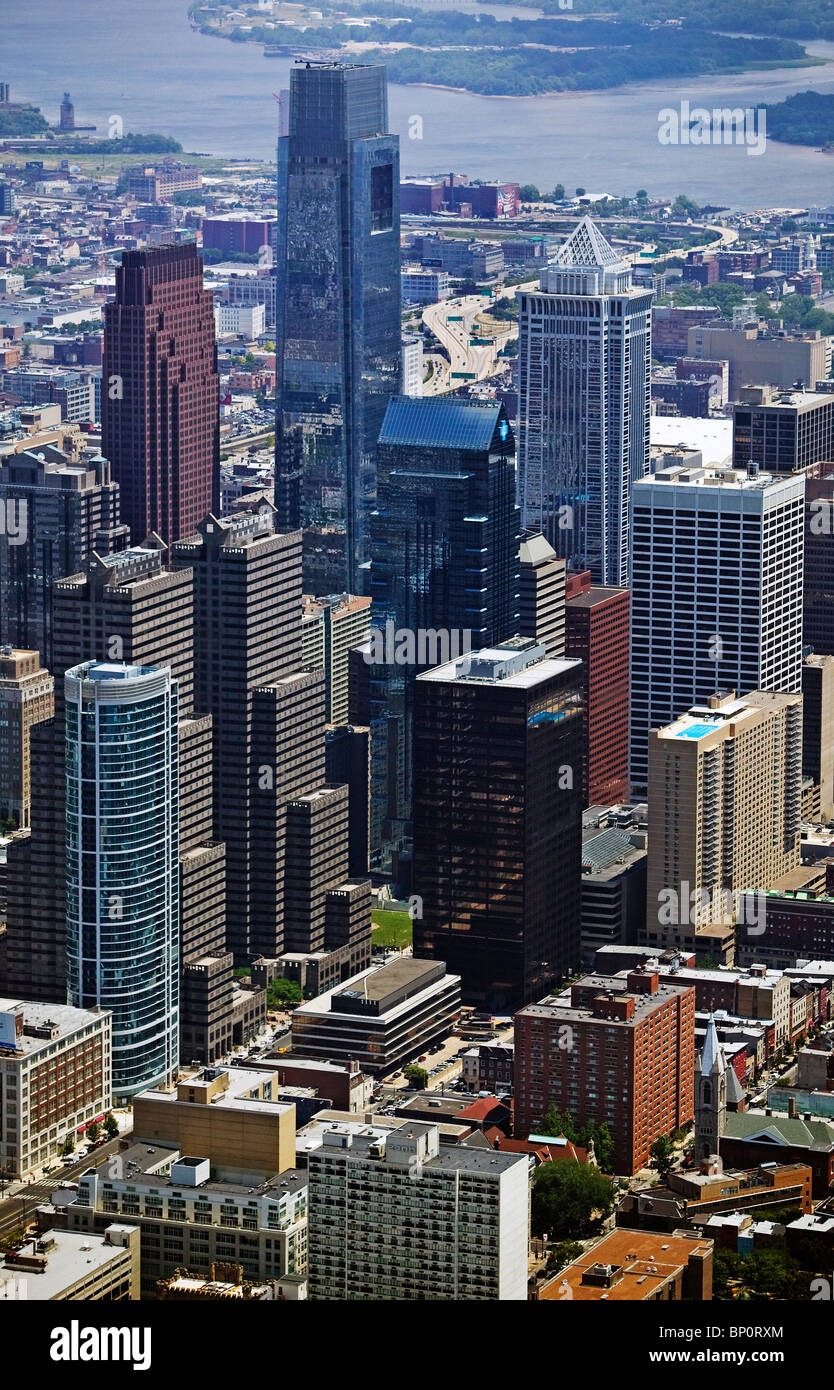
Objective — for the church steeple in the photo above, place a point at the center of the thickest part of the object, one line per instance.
(710, 1094)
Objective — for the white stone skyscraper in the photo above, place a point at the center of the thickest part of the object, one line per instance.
(583, 403)
(716, 592)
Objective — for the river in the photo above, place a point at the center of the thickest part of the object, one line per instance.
(140, 60)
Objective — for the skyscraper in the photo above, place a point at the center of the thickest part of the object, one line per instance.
(338, 311)
(498, 820)
(26, 699)
(725, 787)
(121, 863)
(123, 607)
(57, 510)
(584, 367)
(160, 392)
(716, 598)
(444, 573)
(542, 594)
(597, 624)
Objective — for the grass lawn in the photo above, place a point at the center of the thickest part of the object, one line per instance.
(391, 928)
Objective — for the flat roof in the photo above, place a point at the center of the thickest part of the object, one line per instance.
(75, 1255)
(64, 1017)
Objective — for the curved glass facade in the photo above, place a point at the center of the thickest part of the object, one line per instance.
(122, 845)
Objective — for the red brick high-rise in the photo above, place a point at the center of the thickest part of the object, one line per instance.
(597, 631)
(160, 393)
(619, 1050)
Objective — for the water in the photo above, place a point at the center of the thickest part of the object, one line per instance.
(139, 59)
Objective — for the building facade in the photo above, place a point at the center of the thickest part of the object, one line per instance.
(584, 403)
(716, 596)
(122, 845)
(26, 699)
(160, 397)
(338, 310)
(498, 821)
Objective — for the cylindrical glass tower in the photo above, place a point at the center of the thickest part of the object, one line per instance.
(122, 840)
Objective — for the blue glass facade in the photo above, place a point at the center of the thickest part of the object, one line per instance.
(444, 544)
(122, 846)
(337, 312)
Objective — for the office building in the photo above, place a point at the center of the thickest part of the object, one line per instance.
(725, 785)
(818, 582)
(381, 1017)
(584, 368)
(160, 397)
(237, 233)
(542, 594)
(338, 312)
(498, 820)
(782, 431)
(186, 1215)
(157, 182)
(597, 634)
(247, 634)
(618, 1050)
(818, 731)
(716, 595)
(26, 699)
(71, 1266)
(55, 1078)
(288, 890)
(57, 513)
(444, 575)
(330, 627)
(424, 286)
(754, 356)
(122, 607)
(123, 927)
(412, 365)
(398, 1217)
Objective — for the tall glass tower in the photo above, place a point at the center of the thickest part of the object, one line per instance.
(337, 312)
(584, 399)
(122, 843)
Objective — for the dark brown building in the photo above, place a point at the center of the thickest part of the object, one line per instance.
(160, 393)
(597, 632)
(497, 821)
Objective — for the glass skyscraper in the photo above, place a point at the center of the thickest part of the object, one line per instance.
(337, 312)
(122, 844)
(444, 546)
(584, 399)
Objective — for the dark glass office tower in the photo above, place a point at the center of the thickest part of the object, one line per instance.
(498, 821)
(337, 312)
(444, 575)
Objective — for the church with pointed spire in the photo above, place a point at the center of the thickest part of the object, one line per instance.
(717, 1090)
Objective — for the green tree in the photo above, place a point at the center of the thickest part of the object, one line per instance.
(559, 192)
(283, 991)
(111, 1125)
(641, 195)
(94, 1131)
(529, 193)
(663, 1152)
(68, 1146)
(580, 192)
(564, 1252)
(568, 1198)
(418, 1076)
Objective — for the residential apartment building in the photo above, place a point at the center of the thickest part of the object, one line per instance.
(615, 1049)
(725, 784)
(398, 1217)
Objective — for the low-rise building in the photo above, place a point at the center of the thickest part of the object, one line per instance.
(75, 1266)
(382, 1017)
(638, 1267)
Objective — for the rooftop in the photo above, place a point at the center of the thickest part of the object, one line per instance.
(68, 1257)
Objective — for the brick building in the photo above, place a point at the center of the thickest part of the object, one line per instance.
(597, 631)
